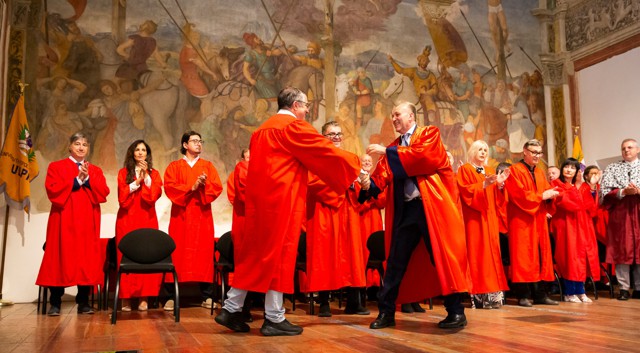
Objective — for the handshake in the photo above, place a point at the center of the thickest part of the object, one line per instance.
(364, 180)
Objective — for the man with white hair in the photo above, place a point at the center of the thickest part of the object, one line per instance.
(620, 189)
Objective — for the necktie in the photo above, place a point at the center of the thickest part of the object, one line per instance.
(410, 187)
(480, 170)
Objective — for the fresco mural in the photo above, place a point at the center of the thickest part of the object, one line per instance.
(166, 66)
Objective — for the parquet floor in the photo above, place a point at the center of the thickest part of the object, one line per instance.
(607, 325)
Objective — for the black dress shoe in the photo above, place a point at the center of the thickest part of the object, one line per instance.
(525, 302)
(85, 309)
(624, 295)
(284, 328)
(54, 311)
(383, 320)
(545, 301)
(232, 321)
(453, 321)
(417, 308)
(406, 308)
(325, 310)
(356, 310)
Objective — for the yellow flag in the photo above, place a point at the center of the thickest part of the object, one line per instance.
(577, 150)
(18, 166)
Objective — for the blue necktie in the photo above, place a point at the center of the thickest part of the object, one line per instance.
(410, 186)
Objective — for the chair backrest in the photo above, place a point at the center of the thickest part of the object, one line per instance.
(224, 246)
(147, 245)
(375, 245)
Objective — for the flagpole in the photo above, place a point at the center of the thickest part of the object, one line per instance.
(5, 234)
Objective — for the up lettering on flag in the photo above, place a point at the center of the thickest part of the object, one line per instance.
(18, 165)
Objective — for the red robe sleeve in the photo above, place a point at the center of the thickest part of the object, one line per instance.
(59, 181)
(212, 187)
(338, 168)
(471, 188)
(528, 200)
(231, 190)
(98, 190)
(176, 191)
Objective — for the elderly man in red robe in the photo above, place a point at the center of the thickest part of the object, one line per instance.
(73, 253)
(192, 184)
(621, 196)
(529, 245)
(283, 151)
(426, 248)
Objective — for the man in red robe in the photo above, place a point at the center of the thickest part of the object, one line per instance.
(72, 255)
(426, 248)
(621, 194)
(283, 151)
(334, 245)
(192, 184)
(529, 243)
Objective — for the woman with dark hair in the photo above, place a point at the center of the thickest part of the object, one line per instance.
(139, 187)
(576, 251)
(72, 256)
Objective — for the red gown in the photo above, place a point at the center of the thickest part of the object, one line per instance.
(191, 223)
(576, 248)
(601, 217)
(529, 243)
(370, 221)
(480, 211)
(427, 160)
(137, 210)
(73, 254)
(334, 245)
(283, 150)
(237, 189)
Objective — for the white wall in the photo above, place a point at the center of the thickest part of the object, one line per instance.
(609, 100)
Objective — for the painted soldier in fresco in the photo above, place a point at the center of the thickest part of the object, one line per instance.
(424, 82)
(259, 67)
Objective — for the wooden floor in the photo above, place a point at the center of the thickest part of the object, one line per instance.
(607, 325)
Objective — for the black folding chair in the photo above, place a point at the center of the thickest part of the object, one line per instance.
(147, 250)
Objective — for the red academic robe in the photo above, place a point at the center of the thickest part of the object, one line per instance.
(239, 178)
(137, 210)
(231, 189)
(191, 223)
(73, 254)
(325, 247)
(370, 221)
(601, 217)
(576, 249)
(283, 150)
(480, 212)
(529, 243)
(426, 160)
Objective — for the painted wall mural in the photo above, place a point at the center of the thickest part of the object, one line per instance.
(122, 70)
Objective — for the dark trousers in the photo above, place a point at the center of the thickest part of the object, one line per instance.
(57, 292)
(406, 236)
(530, 290)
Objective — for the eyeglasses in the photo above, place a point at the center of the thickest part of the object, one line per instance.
(197, 142)
(535, 153)
(333, 135)
(306, 104)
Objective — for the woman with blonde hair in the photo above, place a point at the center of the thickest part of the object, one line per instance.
(481, 196)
